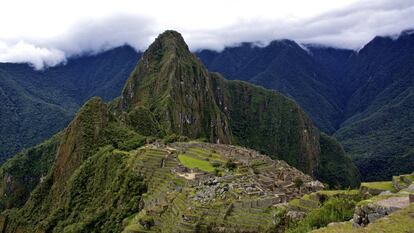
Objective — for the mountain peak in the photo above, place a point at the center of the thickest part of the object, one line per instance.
(173, 87)
(171, 36)
(167, 43)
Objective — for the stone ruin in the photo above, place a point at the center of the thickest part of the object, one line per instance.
(273, 182)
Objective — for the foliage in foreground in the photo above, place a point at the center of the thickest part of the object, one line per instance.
(333, 210)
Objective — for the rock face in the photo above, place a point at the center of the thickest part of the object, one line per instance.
(403, 181)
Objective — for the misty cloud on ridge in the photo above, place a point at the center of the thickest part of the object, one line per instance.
(349, 27)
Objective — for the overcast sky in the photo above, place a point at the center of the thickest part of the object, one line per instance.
(47, 32)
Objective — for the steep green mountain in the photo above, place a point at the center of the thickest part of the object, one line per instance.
(37, 104)
(288, 68)
(176, 90)
(115, 168)
(87, 172)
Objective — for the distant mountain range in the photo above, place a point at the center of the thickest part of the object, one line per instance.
(364, 98)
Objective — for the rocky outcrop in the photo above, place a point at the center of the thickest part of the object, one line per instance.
(368, 213)
(403, 181)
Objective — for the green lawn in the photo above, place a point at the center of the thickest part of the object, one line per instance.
(339, 192)
(385, 185)
(192, 162)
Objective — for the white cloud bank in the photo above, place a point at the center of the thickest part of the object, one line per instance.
(45, 33)
(22, 52)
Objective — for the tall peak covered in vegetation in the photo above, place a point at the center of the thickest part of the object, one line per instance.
(172, 86)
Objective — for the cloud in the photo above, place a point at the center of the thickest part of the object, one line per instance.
(350, 26)
(38, 57)
(92, 36)
(84, 37)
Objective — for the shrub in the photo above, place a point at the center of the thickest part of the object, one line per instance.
(298, 182)
(215, 164)
(230, 164)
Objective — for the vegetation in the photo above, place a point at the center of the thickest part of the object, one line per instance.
(383, 185)
(22, 173)
(333, 210)
(336, 168)
(286, 67)
(400, 221)
(192, 162)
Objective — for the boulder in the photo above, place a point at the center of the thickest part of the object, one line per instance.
(384, 193)
(365, 214)
(410, 188)
(295, 215)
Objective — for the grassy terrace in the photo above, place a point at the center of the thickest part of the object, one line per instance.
(351, 192)
(191, 162)
(204, 154)
(383, 185)
(205, 160)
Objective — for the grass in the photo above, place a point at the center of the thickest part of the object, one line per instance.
(339, 192)
(192, 162)
(206, 154)
(401, 221)
(382, 185)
